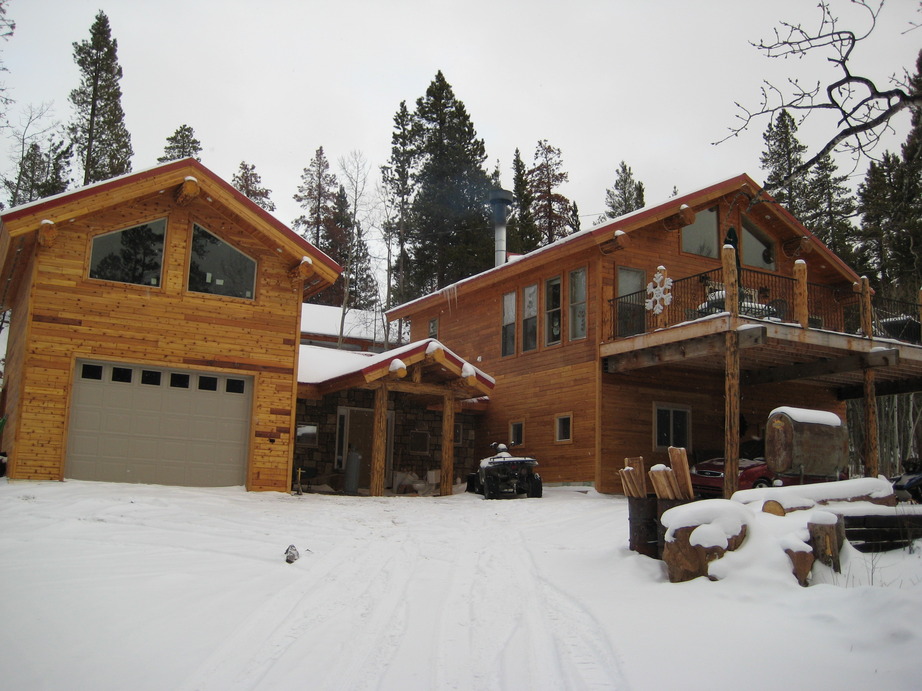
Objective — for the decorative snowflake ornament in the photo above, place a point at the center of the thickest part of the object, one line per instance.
(658, 295)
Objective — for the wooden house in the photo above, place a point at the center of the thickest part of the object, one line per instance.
(154, 333)
(680, 324)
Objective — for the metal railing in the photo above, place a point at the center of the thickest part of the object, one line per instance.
(761, 296)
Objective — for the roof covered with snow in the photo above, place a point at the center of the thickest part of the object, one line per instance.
(324, 320)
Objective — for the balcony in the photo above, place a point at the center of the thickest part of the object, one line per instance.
(764, 296)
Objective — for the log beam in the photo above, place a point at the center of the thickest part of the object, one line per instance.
(731, 415)
(871, 450)
(807, 370)
(448, 446)
(706, 346)
(379, 443)
(47, 234)
(187, 191)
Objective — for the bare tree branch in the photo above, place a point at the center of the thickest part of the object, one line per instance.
(863, 109)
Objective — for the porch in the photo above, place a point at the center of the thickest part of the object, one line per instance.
(749, 329)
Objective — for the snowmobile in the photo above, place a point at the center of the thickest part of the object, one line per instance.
(909, 485)
(503, 474)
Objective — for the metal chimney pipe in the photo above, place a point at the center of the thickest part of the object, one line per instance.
(500, 201)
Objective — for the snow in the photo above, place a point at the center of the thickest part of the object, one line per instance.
(147, 587)
(816, 417)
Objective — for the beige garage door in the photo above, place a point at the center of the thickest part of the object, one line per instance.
(132, 423)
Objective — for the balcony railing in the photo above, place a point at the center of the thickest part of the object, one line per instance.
(760, 295)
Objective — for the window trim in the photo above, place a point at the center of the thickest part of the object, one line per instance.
(718, 241)
(557, 419)
(188, 289)
(671, 407)
(145, 286)
(512, 436)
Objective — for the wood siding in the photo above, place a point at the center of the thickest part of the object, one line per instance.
(72, 316)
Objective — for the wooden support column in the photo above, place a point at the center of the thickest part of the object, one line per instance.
(732, 413)
(379, 442)
(801, 305)
(867, 314)
(448, 445)
(871, 450)
(731, 281)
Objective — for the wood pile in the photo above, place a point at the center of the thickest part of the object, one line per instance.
(674, 482)
(633, 478)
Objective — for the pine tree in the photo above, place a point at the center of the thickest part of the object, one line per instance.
(98, 132)
(830, 207)
(522, 233)
(42, 172)
(877, 204)
(783, 153)
(248, 181)
(397, 179)
(181, 144)
(317, 196)
(626, 195)
(449, 238)
(552, 210)
(911, 187)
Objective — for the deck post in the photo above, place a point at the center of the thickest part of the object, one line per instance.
(871, 450)
(731, 280)
(732, 413)
(801, 304)
(448, 445)
(379, 442)
(867, 315)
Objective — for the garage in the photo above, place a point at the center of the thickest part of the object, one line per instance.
(134, 423)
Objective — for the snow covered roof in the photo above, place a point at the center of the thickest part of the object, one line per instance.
(333, 370)
(324, 320)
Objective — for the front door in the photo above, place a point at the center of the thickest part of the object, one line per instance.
(356, 433)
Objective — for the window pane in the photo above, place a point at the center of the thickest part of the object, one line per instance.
(219, 269)
(208, 383)
(235, 386)
(663, 427)
(517, 432)
(179, 381)
(509, 324)
(91, 372)
(529, 318)
(758, 250)
(563, 428)
(121, 374)
(680, 428)
(552, 311)
(701, 236)
(133, 255)
(150, 377)
(577, 316)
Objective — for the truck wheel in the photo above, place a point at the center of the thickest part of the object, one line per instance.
(535, 487)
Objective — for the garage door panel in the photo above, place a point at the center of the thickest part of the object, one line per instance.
(154, 432)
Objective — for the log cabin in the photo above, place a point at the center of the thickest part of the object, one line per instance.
(680, 324)
(154, 334)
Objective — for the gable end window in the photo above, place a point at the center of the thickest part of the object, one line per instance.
(133, 255)
(701, 236)
(219, 269)
(509, 324)
(672, 426)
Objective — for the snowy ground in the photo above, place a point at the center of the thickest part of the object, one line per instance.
(106, 586)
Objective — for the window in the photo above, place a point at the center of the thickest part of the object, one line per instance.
(516, 433)
(673, 426)
(91, 372)
(631, 310)
(306, 434)
(234, 386)
(758, 249)
(179, 381)
(133, 255)
(122, 374)
(150, 377)
(218, 269)
(207, 383)
(434, 328)
(577, 296)
(509, 324)
(529, 318)
(563, 427)
(701, 236)
(552, 311)
(419, 443)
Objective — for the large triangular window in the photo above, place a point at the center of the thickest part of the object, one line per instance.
(133, 255)
(219, 269)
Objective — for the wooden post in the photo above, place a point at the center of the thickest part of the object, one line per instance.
(448, 445)
(871, 450)
(379, 442)
(919, 315)
(732, 414)
(801, 305)
(731, 281)
(867, 315)
(659, 320)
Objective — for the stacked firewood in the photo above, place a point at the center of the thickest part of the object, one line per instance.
(667, 483)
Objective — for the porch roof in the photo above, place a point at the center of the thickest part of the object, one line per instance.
(425, 367)
(772, 352)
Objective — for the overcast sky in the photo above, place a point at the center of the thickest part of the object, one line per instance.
(651, 82)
